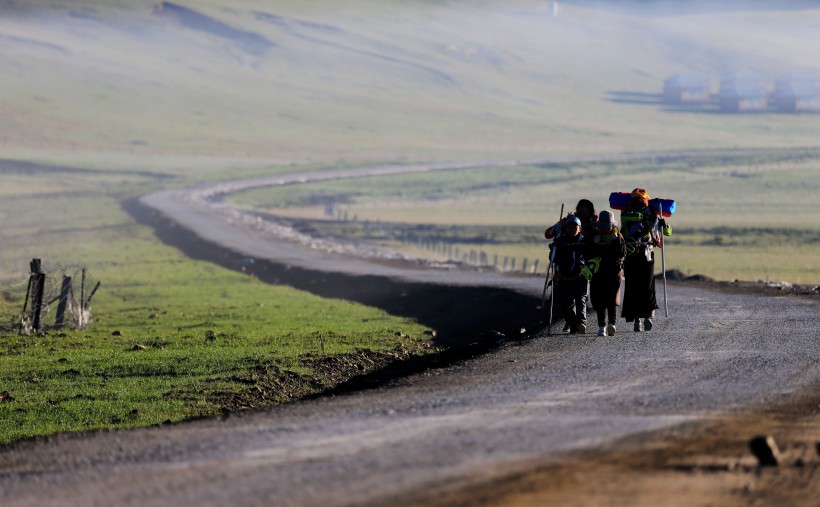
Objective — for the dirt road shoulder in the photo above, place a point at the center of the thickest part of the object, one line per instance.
(707, 463)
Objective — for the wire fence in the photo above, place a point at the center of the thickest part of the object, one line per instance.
(51, 297)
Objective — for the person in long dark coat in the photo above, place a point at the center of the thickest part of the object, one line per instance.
(604, 258)
(639, 228)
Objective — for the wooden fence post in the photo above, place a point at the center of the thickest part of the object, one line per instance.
(38, 287)
(59, 322)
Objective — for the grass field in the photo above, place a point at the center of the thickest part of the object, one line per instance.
(114, 100)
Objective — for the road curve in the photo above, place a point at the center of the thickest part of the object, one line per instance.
(520, 406)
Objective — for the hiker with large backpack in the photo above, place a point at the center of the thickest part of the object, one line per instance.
(639, 225)
(604, 258)
(570, 284)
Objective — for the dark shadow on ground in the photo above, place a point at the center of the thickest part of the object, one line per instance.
(639, 98)
(657, 100)
(461, 316)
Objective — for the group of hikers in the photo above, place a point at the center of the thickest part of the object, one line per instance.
(592, 254)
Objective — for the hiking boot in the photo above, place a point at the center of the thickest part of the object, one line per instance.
(637, 327)
(602, 331)
(647, 324)
(610, 330)
(581, 328)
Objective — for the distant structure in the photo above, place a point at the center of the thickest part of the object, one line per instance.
(687, 89)
(797, 92)
(555, 9)
(743, 93)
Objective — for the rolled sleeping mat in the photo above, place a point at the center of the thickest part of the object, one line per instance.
(619, 201)
(668, 206)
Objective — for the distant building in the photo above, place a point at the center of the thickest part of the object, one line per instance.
(797, 92)
(687, 89)
(743, 93)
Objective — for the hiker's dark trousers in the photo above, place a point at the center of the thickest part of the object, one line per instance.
(572, 298)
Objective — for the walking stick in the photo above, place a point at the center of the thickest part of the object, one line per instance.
(548, 280)
(663, 266)
(549, 267)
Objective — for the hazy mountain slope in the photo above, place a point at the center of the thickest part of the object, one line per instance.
(378, 79)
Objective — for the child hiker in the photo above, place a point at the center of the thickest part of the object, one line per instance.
(585, 213)
(570, 285)
(639, 227)
(605, 253)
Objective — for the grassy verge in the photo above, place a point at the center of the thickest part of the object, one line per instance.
(171, 338)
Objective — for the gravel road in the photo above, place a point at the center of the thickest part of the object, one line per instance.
(520, 406)
(502, 413)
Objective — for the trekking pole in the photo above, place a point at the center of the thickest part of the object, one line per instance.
(663, 266)
(552, 265)
(549, 267)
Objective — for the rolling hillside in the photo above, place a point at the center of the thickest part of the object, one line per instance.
(372, 80)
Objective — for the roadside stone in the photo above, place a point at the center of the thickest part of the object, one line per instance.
(699, 278)
(116, 333)
(6, 396)
(765, 450)
(675, 275)
(139, 346)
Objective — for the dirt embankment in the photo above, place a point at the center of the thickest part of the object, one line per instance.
(708, 463)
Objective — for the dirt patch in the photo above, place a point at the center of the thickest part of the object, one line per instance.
(760, 288)
(706, 463)
(270, 384)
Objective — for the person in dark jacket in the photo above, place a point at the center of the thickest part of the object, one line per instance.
(585, 211)
(639, 226)
(570, 285)
(604, 259)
